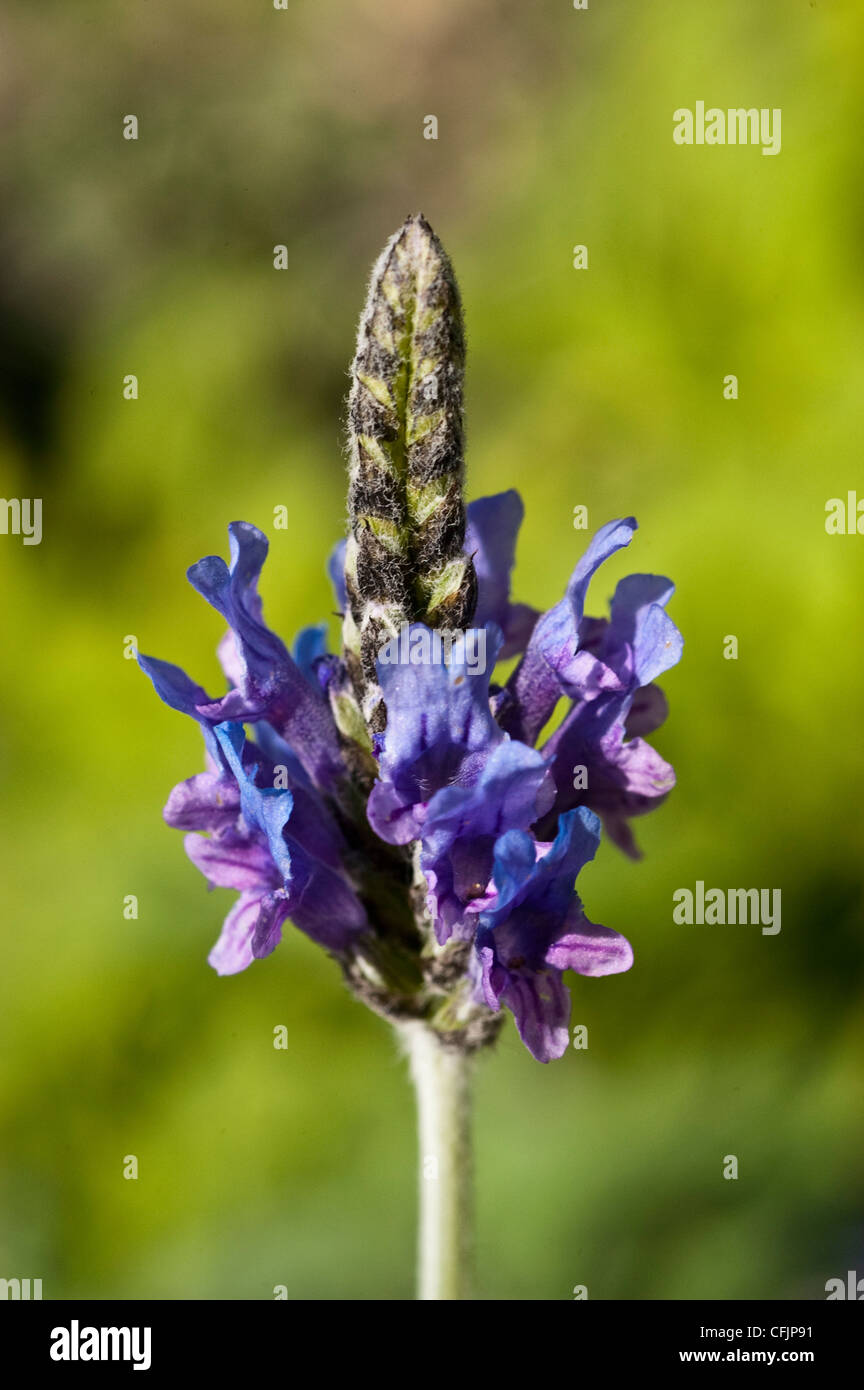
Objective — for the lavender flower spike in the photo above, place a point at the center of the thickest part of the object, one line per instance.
(391, 799)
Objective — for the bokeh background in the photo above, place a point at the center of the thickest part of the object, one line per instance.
(600, 387)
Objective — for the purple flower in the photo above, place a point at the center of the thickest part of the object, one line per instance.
(440, 729)
(280, 848)
(410, 813)
(536, 928)
(273, 834)
(606, 668)
(266, 681)
(465, 823)
(555, 663)
(490, 537)
(496, 828)
(449, 776)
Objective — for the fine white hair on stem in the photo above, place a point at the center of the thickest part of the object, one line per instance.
(442, 1079)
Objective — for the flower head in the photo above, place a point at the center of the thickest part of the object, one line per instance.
(393, 801)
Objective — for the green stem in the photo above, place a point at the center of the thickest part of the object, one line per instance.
(442, 1083)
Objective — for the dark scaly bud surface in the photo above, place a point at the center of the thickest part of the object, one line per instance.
(404, 559)
(404, 562)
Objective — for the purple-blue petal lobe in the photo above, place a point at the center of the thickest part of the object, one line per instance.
(440, 728)
(552, 660)
(490, 539)
(336, 571)
(463, 824)
(536, 928)
(269, 683)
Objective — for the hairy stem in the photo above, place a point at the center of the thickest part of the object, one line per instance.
(442, 1084)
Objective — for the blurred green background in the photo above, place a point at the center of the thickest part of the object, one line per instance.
(602, 387)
